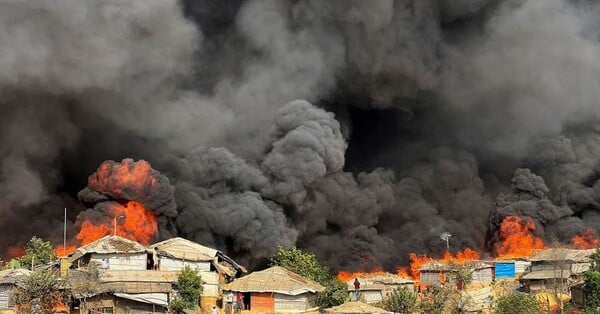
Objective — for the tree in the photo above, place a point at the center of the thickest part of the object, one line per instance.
(592, 283)
(401, 300)
(518, 303)
(37, 252)
(307, 265)
(189, 289)
(40, 293)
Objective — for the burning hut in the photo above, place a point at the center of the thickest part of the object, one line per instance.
(9, 279)
(110, 252)
(276, 290)
(375, 288)
(557, 268)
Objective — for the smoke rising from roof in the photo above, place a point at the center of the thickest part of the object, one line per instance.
(416, 117)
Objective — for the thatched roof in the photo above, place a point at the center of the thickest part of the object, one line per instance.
(559, 254)
(275, 279)
(355, 308)
(13, 276)
(108, 245)
(378, 281)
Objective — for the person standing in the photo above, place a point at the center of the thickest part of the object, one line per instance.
(155, 258)
(356, 288)
(240, 301)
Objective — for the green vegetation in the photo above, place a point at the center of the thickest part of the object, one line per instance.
(518, 303)
(189, 289)
(307, 265)
(401, 300)
(37, 252)
(40, 293)
(592, 283)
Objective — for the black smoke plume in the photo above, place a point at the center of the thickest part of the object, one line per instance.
(416, 117)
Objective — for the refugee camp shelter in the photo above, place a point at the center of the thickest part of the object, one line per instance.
(436, 273)
(375, 287)
(117, 252)
(176, 253)
(276, 289)
(557, 268)
(9, 279)
(212, 265)
(124, 303)
(355, 307)
(510, 269)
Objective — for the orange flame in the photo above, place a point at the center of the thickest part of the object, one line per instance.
(134, 222)
(417, 261)
(586, 240)
(518, 238)
(15, 252)
(345, 275)
(129, 175)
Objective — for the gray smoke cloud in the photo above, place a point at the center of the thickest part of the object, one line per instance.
(357, 130)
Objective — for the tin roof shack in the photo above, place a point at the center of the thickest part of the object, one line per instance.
(375, 288)
(9, 279)
(276, 289)
(510, 269)
(119, 290)
(213, 266)
(117, 252)
(176, 253)
(436, 273)
(556, 268)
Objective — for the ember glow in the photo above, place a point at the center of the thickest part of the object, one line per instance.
(586, 240)
(518, 238)
(15, 252)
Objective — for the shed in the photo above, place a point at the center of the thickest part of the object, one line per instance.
(356, 307)
(121, 254)
(375, 288)
(436, 273)
(276, 289)
(9, 279)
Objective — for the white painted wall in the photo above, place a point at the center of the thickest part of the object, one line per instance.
(136, 261)
(170, 264)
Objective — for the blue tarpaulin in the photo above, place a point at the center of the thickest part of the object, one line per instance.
(504, 270)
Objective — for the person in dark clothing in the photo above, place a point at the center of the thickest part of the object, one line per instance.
(356, 288)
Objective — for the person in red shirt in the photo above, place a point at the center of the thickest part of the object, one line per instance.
(356, 288)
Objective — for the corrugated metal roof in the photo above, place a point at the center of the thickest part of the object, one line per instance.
(13, 276)
(355, 308)
(181, 248)
(275, 279)
(547, 274)
(559, 254)
(108, 245)
(444, 266)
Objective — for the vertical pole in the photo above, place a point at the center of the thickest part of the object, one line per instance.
(115, 227)
(448, 244)
(65, 232)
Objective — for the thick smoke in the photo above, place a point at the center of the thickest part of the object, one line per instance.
(415, 115)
